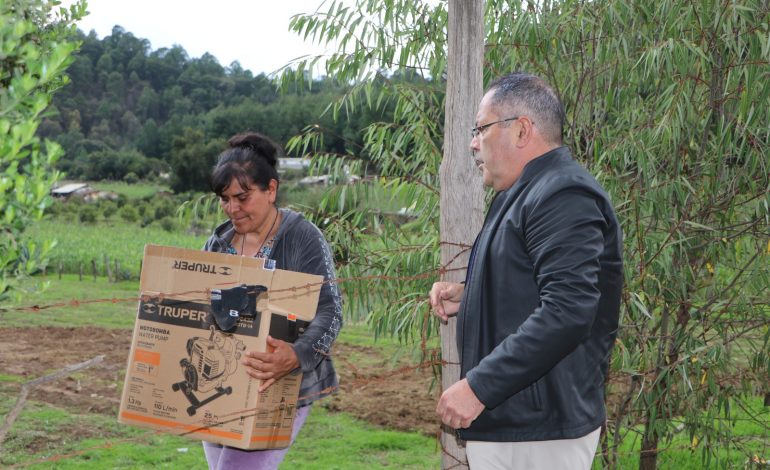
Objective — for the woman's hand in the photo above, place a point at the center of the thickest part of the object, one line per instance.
(279, 360)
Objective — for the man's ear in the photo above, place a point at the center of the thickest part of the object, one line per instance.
(524, 132)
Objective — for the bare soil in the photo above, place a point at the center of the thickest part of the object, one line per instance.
(371, 389)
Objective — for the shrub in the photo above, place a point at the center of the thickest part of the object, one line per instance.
(88, 214)
(129, 213)
(56, 208)
(131, 178)
(168, 224)
(164, 207)
(108, 208)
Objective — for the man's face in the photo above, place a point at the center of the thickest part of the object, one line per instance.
(494, 148)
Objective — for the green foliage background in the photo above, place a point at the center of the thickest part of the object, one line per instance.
(36, 44)
(667, 104)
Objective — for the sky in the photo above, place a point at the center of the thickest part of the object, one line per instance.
(253, 32)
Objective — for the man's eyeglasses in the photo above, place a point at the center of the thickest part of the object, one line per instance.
(475, 131)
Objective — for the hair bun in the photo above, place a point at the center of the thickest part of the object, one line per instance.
(258, 144)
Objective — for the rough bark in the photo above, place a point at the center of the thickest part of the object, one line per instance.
(462, 192)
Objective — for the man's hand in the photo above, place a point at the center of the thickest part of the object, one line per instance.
(272, 365)
(458, 406)
(445, 298)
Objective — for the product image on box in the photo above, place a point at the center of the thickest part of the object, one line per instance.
(210, 361)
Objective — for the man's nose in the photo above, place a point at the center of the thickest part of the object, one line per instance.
(474, 146)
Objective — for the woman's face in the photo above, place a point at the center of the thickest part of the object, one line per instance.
(249, 208)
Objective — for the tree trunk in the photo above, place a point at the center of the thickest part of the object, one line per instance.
(648, 458)
(462, 192)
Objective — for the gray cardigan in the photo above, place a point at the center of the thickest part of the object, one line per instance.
(300, 246)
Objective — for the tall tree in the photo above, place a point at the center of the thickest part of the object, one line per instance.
(405, 147)
(192, 158)
(37, 44)
(667, 104)
(462, 194)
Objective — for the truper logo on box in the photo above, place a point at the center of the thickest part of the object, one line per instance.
(183, 265)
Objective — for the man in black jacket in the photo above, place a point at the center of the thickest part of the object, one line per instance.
(538, 312)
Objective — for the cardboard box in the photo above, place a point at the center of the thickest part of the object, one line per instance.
(184, 374)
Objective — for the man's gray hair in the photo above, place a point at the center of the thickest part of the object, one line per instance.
(527, 95)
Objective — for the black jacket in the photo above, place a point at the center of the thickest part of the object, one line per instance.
(300, 246)
(539, 314)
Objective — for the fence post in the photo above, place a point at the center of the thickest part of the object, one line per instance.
(80, 270)
(117, 270)
(107, 269)
(60, 269)
(93, 268)
(460, 200)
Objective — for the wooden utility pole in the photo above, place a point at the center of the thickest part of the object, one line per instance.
(462, 192)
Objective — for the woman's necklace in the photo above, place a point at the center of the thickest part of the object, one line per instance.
(243, 240)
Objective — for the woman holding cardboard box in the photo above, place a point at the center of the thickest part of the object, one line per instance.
(246, 180)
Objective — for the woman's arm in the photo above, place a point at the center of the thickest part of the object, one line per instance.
(310, 254)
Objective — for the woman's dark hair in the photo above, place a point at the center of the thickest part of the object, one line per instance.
(251, 158)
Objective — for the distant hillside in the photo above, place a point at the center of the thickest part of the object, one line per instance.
(132, 112)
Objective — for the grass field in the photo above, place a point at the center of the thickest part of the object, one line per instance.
(328, 441)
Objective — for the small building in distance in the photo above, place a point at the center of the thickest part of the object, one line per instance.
(295, 164)
(71, 189)
(81, 191)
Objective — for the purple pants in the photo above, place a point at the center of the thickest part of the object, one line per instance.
(221, 457)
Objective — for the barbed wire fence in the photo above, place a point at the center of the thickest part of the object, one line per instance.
(431, 361)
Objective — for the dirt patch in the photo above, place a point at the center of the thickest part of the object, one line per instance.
(371, 389)
(398, 396)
